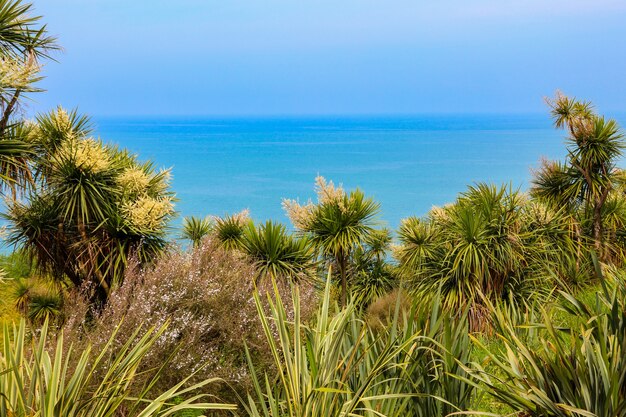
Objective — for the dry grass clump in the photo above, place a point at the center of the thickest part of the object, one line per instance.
(381, 312)
(207, 297)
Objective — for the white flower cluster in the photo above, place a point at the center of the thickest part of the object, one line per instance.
(147, 213)
(88, 155)
(327, 193)
(16, 74)
(133, 180)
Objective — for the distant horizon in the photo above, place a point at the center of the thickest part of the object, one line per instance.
(604, 112)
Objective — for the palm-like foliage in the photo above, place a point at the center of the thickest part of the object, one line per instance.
(338, 224)
(586, 180)
(419, 244)
(23, 41)
(44, 306)
(15, 154)
(277, 254)
(229, 229)
(481, 245)
(196, 229)
(371, 279)
(93, 206)
(22, 291)
(371, 276)
(38, 380)
(21, 32)
(378, 243)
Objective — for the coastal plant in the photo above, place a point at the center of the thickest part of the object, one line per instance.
(371, 275)
(206, 297)
(587, 179)
(340, 366)
(196, 229)
(22, 291)
(24, 43)
(277, 254)
(337, 224)
(575, 370)
(436, 365)
(471, 248)
(44, 378)
(93, 206)
(45, 306)
(229, 229)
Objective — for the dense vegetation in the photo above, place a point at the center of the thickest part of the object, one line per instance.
(502, 302)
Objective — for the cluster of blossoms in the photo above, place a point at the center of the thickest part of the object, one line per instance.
(60, 129)
(148, 213)
(438, 213)
(133, 180)
(88, 155)
(17, 74)
(140, 195)
(327, 193)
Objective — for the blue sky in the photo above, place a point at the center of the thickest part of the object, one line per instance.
(280, 57)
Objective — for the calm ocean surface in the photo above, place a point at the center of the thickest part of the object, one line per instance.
(409, 164)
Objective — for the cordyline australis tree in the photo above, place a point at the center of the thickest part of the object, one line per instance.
(337, 224)
(91, 206)
(23, 43)
(585, 181)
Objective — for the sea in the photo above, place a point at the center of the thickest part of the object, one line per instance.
(408, 163)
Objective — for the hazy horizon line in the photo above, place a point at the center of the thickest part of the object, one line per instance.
(617, 113)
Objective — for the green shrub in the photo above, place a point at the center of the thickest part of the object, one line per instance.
(580, 370)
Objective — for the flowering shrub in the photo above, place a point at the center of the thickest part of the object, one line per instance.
(207, 298)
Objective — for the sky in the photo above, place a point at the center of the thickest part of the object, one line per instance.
(331, 57)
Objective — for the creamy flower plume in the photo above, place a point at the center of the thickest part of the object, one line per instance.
(133, 180)
(18, 75)
(327, 193)
(88, 155)
(146, 213)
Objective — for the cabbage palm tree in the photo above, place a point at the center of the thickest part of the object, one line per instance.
(337, 224)
(277, 254)
(371, 276)
(589, 174)
(472, 247)
(195, 229)
(229, 229)
(23, 42)
(92, 206)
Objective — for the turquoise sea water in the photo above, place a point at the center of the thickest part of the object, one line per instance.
(409, 164)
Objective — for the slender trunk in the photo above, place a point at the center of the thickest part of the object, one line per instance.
(597, 228)
(342, 271)
(8, 110)
(579, 243)
(92, 266)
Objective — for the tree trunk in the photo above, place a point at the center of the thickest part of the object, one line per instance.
(342, 271)
(597, 228)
